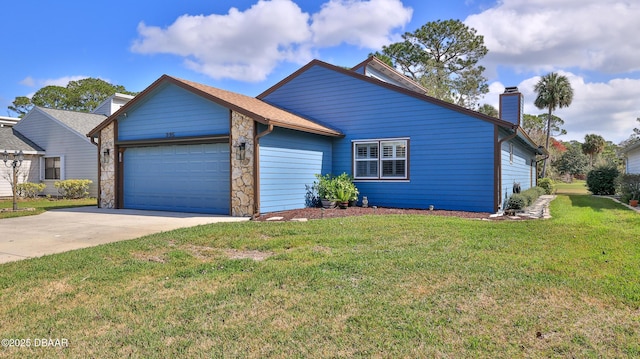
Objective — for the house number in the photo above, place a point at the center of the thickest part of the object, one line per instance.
(171, 134)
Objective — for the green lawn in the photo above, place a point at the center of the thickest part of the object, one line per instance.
(575, 187)
(375, 286)
(39, 205)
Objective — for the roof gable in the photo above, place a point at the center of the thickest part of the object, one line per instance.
(513, 128)
(255, 108)
(378, 69)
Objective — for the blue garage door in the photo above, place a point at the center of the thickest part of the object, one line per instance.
(181, 178)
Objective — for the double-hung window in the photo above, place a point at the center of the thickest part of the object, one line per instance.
(51, 168)
(384, 159)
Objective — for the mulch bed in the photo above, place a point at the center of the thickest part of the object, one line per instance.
(320, 213)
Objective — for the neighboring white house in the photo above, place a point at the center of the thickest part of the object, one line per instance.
(8, 121)
(69, 154)
(55, 145)
(632, 155)
(112, 104)
(13, 142)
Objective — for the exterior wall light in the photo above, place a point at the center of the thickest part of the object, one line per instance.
(105, 155)
(241, 151)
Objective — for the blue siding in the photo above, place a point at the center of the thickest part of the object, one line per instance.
(172, 109)
(451, 154)
(510, 106)
(521, 170)
(289, 161)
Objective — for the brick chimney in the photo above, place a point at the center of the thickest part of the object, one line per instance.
(511, 105)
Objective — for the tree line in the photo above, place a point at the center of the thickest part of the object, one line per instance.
(82, 95)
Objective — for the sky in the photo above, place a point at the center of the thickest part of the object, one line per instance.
(247, 46)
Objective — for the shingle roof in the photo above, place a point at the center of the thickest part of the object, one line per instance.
(12, 140)
(381, 66)
(262, 110)
(81, 122)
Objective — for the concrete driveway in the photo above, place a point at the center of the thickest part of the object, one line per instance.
(63, 230)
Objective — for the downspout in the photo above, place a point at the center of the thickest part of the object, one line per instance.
(500, 142)
(256, 167)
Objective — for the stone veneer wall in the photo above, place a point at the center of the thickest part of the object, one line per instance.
(242, 176)
(107, 168)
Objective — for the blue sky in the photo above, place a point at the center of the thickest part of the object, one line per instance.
(248, 45)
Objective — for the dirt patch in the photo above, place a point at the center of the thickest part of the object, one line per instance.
(248, 254)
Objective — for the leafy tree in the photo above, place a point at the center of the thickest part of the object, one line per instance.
(489, 110)
(573, 161)
(554, 91)
(635, 137)
(592, 146)
(52, 97)
(82, 95)
(21, 105)
(442, 56)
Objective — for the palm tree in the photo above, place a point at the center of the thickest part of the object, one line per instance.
(554, 91)
(593, 145)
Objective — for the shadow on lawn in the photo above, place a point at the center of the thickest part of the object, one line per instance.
(596, 203)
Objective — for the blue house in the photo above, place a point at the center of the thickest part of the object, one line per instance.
(185, 146)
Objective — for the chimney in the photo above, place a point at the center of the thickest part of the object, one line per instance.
(511, 104)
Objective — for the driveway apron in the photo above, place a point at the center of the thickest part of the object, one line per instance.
(67, 229)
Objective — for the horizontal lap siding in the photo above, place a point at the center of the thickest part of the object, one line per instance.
(633, 161)
(289, 161)
(451, 153)
(80, 155)
(173, 110)
(521, 170)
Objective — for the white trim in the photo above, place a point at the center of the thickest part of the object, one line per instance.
(381, 181)
(43, 168)
(381, 159)
(382, 139)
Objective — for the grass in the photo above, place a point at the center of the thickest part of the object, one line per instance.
(575, 187)
(381, 287)
(40, 205)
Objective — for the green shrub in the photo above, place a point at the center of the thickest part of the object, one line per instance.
(346, 188)
(30, 189)
(73, 188)
(525, 198)
(336, 187)
(516, 201)
(325, 186)
(602, 180)
(628, 186)
(547, 185)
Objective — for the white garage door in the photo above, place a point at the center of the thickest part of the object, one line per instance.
(181, 178)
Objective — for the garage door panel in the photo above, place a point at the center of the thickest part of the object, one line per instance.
(186, 178)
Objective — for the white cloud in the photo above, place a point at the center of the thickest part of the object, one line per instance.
(543, 35)
(61, 81)
(248, 45)
(361, 23)
(239, 45)
(28, 81)
(607, 108)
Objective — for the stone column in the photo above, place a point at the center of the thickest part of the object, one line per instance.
(242, 176)
(107, 168)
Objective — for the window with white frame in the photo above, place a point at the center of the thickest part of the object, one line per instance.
(384, 159)
(52, 168)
